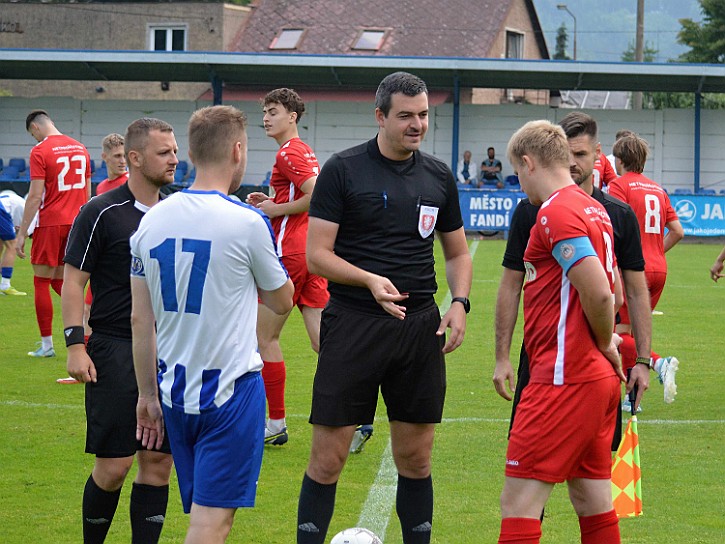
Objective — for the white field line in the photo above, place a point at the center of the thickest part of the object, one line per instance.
(375, 513)
(446, 420)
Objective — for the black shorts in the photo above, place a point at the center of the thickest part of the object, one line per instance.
(362, 353)
(111, 401)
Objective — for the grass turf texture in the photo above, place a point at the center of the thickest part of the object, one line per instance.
(42, 431)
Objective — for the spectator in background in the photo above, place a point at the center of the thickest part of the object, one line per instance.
(11, 214)
(466, 170)
(491, 170)
(60, 174)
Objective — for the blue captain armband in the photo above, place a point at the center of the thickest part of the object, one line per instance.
(569, 252)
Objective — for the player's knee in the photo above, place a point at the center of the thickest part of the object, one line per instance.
(110, 473)
(154, 468)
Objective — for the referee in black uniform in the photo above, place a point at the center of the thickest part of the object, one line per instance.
(98, 248)
(372, 218)
(581, 132)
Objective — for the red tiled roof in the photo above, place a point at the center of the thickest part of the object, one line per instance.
(450, 28)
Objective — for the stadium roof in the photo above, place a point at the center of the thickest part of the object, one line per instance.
(356, 72)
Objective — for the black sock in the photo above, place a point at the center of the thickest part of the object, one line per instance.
(414, 504)
(314, 511)
(99, 507)
(148, 510)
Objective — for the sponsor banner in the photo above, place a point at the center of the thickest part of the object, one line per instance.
(488, 210)
(700, 215)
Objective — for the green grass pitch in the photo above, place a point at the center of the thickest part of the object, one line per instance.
(42, 430)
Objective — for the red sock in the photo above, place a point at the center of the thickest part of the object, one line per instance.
(600, 529)
(654, 356)
(274, 375)
(628, 349)
(43, 305)
(57, 285)
(520, 531)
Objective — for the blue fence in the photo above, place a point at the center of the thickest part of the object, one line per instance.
(491, 210)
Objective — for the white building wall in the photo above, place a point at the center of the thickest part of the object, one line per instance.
(332, 126)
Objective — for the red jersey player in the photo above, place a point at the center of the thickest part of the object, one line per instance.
(293, 178)
(654, 213)
(604, 174)
(114, 156)
(60, 173)
(568, 322)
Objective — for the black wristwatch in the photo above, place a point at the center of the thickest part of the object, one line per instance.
(463, 300)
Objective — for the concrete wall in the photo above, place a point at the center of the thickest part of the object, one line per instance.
(332, 126)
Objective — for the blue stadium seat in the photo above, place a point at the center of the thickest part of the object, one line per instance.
(722, 191)
(267, 178)
(183, 166)
(18, 163)
(93, 166)
(2, 164)
(708, 192)
(682, 192)
(9, 173)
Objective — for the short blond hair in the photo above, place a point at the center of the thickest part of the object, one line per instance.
(540, 139)
(112, 141)
(213, 131)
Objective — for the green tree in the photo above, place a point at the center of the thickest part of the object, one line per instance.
(562, 38)
(706, 40)
(649, 53)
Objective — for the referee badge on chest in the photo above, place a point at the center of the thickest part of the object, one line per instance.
(427, 217)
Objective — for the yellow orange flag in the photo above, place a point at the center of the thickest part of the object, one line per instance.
(627, 475)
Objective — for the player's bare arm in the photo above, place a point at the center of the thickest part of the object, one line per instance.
(716, 268)
(459, 273)
(507, 310)
(149, 418)
(256, 198)
(675, 233)
(322, 260)
(278, 300)
(78, 363)
(32, 205)
(300, 205)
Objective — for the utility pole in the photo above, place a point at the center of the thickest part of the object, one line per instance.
(639, 51)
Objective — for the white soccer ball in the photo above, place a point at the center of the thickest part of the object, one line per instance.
(356, 535)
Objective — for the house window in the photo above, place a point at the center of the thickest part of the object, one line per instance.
(167, 38)
(372, 40)
(514, 45)
(287, 39)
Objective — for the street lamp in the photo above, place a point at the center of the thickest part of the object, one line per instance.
(563, 6)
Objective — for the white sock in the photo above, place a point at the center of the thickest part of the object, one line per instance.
(276, 425)
(5, 283)
(46, 342)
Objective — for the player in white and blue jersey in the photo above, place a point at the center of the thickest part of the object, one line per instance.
(199, 261)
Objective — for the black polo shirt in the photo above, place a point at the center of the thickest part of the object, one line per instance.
(377, 204)
(98, 244)
(627, 244)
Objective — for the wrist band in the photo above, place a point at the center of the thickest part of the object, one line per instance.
(643, 361)
(73, 335)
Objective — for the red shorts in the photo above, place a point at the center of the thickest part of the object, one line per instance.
(310, 289)
(49, 245)
(564, 431)
(655, 284)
